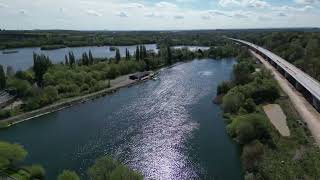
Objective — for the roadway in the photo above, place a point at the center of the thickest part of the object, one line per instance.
(309, 83)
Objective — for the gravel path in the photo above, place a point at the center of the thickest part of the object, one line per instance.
(277, 118)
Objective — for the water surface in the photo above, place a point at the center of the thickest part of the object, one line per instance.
(166, 129)
(23, 59)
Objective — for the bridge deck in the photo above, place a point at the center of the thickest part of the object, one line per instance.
(312, 85)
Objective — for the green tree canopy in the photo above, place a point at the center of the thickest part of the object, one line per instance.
(106, 168)
(2, 78)
(68, 175)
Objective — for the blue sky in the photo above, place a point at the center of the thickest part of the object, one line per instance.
(157, 14)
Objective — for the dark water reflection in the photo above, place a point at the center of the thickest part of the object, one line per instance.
(167, 129)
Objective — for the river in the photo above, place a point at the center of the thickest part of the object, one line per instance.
(166, 129)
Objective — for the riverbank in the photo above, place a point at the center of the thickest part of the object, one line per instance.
(307, 112)
(266, 154)
(120, 82)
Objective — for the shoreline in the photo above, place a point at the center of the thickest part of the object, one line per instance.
(69, 102)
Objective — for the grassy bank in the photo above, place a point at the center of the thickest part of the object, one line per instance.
(265, 153)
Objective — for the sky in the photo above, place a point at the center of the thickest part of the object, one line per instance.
(157, 14)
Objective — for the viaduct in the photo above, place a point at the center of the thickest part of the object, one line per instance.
(305, 84)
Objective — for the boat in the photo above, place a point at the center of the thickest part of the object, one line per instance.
(10, 52)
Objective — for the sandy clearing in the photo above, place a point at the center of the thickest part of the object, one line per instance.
(277, 118)
(304, 108)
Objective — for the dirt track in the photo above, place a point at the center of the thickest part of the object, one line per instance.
(304, 108)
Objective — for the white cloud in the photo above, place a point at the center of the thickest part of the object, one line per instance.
(292, 9)
(92, 12)
(134, 5)
(122, 14)
(245, 3)
(2, 5)
(166, 5)
(307, 1)
(178, 17)
(153, 15)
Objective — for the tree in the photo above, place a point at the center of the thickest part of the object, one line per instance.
(36, 171)
(249, 105)
(2, 78)
(66, 61)
(91, 59)
(41, 63)
(242, 72)
(251, 155)
(85, 59)
(72, 59)
(169, 55)
(118, 57)
(137, 54)
(127, 54)
(141, 53)
(232, 101)
(106, 168)
(68, 175)
(10, 154)
(224, 87)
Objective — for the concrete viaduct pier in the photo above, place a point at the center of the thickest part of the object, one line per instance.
(305, 84)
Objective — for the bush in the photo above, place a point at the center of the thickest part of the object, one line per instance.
(22, 87)
(11, 154)
(36, 171)
(251, 155)
(4, 114)
(232, 101)
(249, 127)
(223, 88)
(107, 168)
(249, 105)
(68, 175)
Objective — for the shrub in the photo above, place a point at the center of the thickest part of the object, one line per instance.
(251, 155)
(223, 88)
(107, 168)
(232, 101)
(249, 127)
(68, 175)
(36, 171)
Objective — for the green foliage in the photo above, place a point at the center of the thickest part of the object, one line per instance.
(224, 87)
(36, 171)
(25, 75)
(249, 105)
(251, 155)
(2, 78)
(249, 127)
(22, 87)
(117, 57)
(106, 168)
(41, 63)
(242, 72)
(68, 175)
(4, 114)
(232, 101)
(11, 154)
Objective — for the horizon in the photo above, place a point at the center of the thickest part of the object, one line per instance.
(168, 30)
(157, 15)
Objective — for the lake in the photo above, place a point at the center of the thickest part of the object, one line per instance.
(166, 129)
(23, 59)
